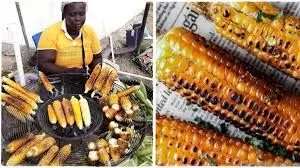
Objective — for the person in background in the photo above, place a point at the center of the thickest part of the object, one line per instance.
(64, 45)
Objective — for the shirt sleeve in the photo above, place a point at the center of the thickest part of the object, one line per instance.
(47, 40)
(96, 46)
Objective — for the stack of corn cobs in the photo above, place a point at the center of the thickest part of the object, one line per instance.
(19, 102)
(31, 145)
(112, 147)
(66, 112)
(214, 80)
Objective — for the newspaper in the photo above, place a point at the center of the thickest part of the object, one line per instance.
(179, 14)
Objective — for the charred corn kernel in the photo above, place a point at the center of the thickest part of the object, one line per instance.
(128, 91)
(175, 138)
(68, 110)
(109, 82)
(17, 143)
(18, 87)
(16, 113)
(85, 111)
(59, 112)
(48, 157)
(19, 95)
(92, 79)
(17, 103)
(110, 113)
(273, 43)
(62, 156)
(114, 151)
(113, 101)
(40, 148)
(102, 143)
(101, 78)
(48, 86)
(77, 112)
(92, 146)
(103, 156)
(20, 154)
(125, 135)
(125, 103)
(51, 114)
(212, 79)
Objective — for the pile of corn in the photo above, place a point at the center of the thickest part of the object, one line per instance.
(111, 148)
(68, 112)
(31, 145)
(19, 102)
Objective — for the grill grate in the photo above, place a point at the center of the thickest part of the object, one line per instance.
(68, 85)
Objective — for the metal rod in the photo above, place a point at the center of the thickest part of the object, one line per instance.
(141, 35)
(23, 26)
(139, 76)
(112, 48)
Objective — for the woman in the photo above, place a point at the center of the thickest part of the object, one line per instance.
(64, 45)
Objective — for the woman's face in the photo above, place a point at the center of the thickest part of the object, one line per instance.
(75, 16)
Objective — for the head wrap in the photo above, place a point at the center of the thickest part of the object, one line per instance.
(66, 2)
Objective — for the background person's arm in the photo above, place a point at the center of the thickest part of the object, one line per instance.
(46, 63)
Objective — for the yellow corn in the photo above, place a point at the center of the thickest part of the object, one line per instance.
(102, 143)
(59, 112)
(20, 154)
(77, 112)
(48, 86)
(16, 113)
(18, 104)
(19, 95)
(103, 156)
(101, 78)
(110, 113)
(113, 101)
(109, 82)
(92, 79)
(51, 114)
(180, 143)
(128, 91)
(114, 151)
(16, 144)
(40, 148)
(48, 157)
(62, 156)
(67, 106)
(18, 87)
(125, 103)
(272, 42)
(85, 111)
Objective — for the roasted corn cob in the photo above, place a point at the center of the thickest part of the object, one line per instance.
(59, 112)
(128, 91)
(125, 103)
(272, 44)
(48, 157)
(103, 156)
(68, 110)
(40, 148)
(19, 95)
(110, 113)
(101, 78)
(51, 114)
(17, 103)
(16, 144)
(62, 156)
(90, 82)
(113, 101)
(15, 85)
(114, 151)
(102, 143)
(48, 86)
(109, 82)
(181, 143)
(209, 77)
(77, 112)
(16, 113)
(20, 154)
(85, 111)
